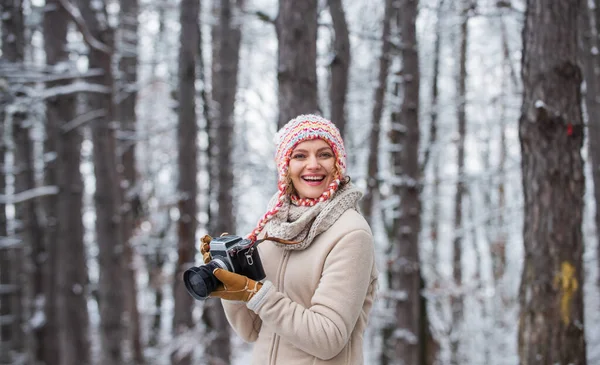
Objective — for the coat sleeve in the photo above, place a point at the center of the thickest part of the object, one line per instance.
(245, 322)
(324, 328)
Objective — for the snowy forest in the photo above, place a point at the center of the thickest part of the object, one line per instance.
(130, 128)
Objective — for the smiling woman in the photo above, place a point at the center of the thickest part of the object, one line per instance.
(318, 258)
(312, 168)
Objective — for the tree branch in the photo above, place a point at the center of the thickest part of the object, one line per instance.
(87, 35)
(261, 15)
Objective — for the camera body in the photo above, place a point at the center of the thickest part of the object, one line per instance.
(231, 253)
(238, 255)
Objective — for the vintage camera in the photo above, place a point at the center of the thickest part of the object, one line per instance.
(231, 253)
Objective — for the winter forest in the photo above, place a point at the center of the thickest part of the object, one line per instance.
(130, 128)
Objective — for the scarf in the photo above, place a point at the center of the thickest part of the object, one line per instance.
(303, 223)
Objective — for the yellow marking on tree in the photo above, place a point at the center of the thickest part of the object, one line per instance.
(567, 285)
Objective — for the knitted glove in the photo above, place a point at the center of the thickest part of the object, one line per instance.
(205, 248)
(235, 287)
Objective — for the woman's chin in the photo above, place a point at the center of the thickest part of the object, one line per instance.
(310, 193)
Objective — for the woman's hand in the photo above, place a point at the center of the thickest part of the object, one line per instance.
(235, 286)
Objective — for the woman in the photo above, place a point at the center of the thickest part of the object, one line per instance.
(313, 306)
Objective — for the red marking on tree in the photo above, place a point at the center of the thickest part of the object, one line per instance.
(569, 129)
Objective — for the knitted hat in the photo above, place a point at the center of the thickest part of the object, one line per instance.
(303, 128)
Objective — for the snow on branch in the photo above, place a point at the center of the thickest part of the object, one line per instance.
(9, 242)
(73, 88)
(83, 119)
(80, 22)
(24, 73)
(28, 195)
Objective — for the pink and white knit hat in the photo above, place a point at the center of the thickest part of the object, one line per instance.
(303, 128)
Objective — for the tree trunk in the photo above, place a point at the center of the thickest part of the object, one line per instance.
(6, 252)
(125, 108)
(589, 43)
(372, 190)
(107, 196)
(296, 27)
(67, 320)
(551, 132)
(226, 35)
(434, 159)
(13, 51)
(498, 244)
(433, 115)
(457, 298)
(405, 272)
(156, 262)
(187, 132)
(340, 65)
(30, 233)
(157, 257)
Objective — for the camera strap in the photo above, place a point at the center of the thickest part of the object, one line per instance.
(278, 240)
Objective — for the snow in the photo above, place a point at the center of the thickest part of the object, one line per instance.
(38, 319)
(28, 195)
(8, 242)
(405, 335)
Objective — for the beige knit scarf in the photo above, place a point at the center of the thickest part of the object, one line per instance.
(302, 224)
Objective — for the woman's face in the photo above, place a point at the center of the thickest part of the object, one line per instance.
(312, 168)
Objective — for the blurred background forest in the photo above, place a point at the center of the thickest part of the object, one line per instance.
(130, 128)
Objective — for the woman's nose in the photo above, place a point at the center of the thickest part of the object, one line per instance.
(312, 162)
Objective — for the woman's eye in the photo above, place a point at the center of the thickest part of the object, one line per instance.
(326, 155)
(297, 156)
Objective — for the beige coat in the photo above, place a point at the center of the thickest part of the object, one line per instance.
(314, 305)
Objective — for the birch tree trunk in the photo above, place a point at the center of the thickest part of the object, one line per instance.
(372, 190)
(551, 132)
(107, 196)
(67, 319)
(125, 108)
(589, 43)
(187, 132)
(457, 298)
(431, 154)
(340, 65)
(498, 245)
(157, 257)
(296, 27)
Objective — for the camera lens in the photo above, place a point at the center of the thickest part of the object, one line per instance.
(200, 281)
